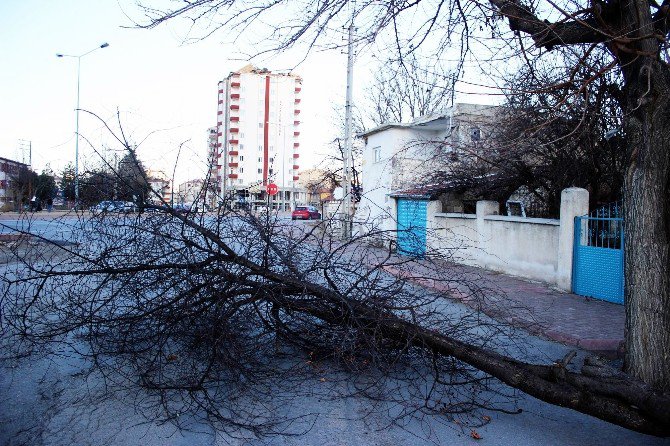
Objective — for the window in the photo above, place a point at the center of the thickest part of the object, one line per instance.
(241, 158)
(241, 169)
(260, 170)
(241, 135)
(241, 146)
(270, 172)
(260, 125)
(260, 159)
(377, 154)
(272, 160)
(260, 148)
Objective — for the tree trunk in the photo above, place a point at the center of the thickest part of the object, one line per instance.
(647, 224)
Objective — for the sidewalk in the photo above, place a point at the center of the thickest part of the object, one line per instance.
(541, 309)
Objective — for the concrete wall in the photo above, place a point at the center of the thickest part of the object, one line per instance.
(534, 248)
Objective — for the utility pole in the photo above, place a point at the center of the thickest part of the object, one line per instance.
(23, 146)
(346, 230)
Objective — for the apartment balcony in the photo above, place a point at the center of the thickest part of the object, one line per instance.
(234, 119)
(297, 89)
(296, 122)
(234, 130)
(220, 112)
(232, 175)
(235, 96)
(296, 133)
(297, 112)
(296, 177)
(296, 144)
(296, 155)
(234, 141)
(235, 84)
(232, 164)
(220, 91)
(234, 107)
(233, 153)
(297, 101)
(219, 134)
(220, 101)
(296, 167)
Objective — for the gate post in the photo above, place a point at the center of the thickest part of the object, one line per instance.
(574, 203)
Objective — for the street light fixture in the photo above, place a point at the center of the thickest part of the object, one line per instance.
(76, 146)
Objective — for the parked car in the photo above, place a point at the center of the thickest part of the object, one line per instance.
(305, 213)
(129, 207)
(185, 208)
(108, 206)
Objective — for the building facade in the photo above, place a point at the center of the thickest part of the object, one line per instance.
(258, 136)
(192, 191)
(161, 187)
(8, 171)
(399, 156)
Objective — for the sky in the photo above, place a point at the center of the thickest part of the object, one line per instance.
(163, 91)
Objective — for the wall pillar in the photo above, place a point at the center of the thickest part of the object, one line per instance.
(392, 224)
(484, 208)
(433, 227)
(574, 203)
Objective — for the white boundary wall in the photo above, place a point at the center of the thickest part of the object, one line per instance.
(534, 248)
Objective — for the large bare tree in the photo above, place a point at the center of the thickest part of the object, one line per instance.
(634, 34)
(406, 89)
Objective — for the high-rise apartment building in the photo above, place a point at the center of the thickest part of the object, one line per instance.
(258, 135)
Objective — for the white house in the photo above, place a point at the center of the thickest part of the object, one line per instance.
(399, 156)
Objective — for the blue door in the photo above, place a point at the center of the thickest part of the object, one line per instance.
(597, 267)
(412, 227)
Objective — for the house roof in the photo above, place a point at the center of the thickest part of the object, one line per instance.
(427, 192)
(429, 122)
(433, 191)
(7, 160)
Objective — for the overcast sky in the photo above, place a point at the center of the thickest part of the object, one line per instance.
(157, 84)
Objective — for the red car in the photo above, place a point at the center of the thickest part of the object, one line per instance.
(305, 213)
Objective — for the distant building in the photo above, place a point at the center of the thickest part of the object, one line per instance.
(319, 185)
(8, 170)
(258, 133)
(191, 191)
(161, 186)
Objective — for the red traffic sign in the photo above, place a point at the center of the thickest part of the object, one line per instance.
(271, 189)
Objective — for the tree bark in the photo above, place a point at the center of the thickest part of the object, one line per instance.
(597, 391)
(647, 225)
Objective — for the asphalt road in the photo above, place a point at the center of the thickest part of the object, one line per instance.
(49, 401)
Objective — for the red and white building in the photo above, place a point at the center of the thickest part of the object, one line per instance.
(258, 135)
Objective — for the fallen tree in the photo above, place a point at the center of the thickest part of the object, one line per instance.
(193, 308)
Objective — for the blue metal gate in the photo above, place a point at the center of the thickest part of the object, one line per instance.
(412, 227)
(597, 267)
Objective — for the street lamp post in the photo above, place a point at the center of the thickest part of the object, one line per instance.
(76, 144)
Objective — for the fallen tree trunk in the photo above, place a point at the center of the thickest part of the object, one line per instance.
(156, 287)
(619, 399)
